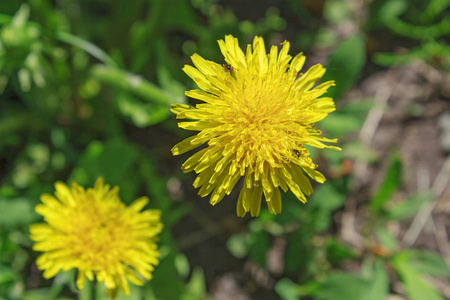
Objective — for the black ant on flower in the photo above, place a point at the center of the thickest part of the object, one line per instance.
(228, 68)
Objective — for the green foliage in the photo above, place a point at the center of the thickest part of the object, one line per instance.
(386, 239)
(336, 287)
(336, 11)
(238, 244)
(415, 285)
(301, 256)
(291, 291)
(96, 161)
(259, 244)
(324, 202)
(390, 184)
(16, 212)
(385, 11)
(347, 119)
(341, 286)
(195, 288)
(345, 65)
(435, 52)
(426, 22)
(85, 91)
(407, 208)
(254, 243)
(338, 253)
(379, 282)
(427, 262)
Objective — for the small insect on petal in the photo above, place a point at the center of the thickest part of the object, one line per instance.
(228, 68)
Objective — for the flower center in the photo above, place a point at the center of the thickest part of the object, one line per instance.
(259, 120)
(98, 233)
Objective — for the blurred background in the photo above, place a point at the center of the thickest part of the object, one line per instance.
(85, 91)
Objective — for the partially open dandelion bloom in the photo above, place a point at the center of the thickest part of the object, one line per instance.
(93, 231)
(257, 117)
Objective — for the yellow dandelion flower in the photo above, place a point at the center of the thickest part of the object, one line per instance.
(257, 116)
(93, 231)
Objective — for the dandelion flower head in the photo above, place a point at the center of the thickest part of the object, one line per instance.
(257, 114)
(94, 232)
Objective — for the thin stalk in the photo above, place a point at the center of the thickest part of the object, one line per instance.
(131, 82)
(86, 46)
(87, 293)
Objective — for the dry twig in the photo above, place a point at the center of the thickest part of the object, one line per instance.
(424, 213)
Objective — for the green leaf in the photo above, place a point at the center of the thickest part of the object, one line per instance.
(348, 286)
(323, 202)
(166, 283)
(299, 252)
(144, 102)
(182, 265)
(327, 198)
(386, 239)
(289, 290)
(429, 262)
(7, 275)
(390, 184)
(343, 286)
(407, 208)
(87, 47)
(359, 151)
(169, 84)
(378, 283)
(349, 118)
(259, 244)
(24, 77)
(21, 16)
(16, 212)
(114, 160)
(156, 187)
(336, 11)
(131, 83)
(111, 159)
(420, 32)
(345, 64)
(434, 9)
(337, 252)
(338, 124)
(88, 293)
(415, 285)
(392, 59)
(238, 244)
(39, 294)
(136, 293)
(196, 287)
(142, 114)
(382, 12)
(432, 51)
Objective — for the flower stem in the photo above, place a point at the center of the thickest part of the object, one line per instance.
(88, 292)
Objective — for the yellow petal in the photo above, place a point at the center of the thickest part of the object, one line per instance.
(255, 199)
(186, 145)
(307, 81)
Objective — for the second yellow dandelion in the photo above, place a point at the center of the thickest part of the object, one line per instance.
(94, 232)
